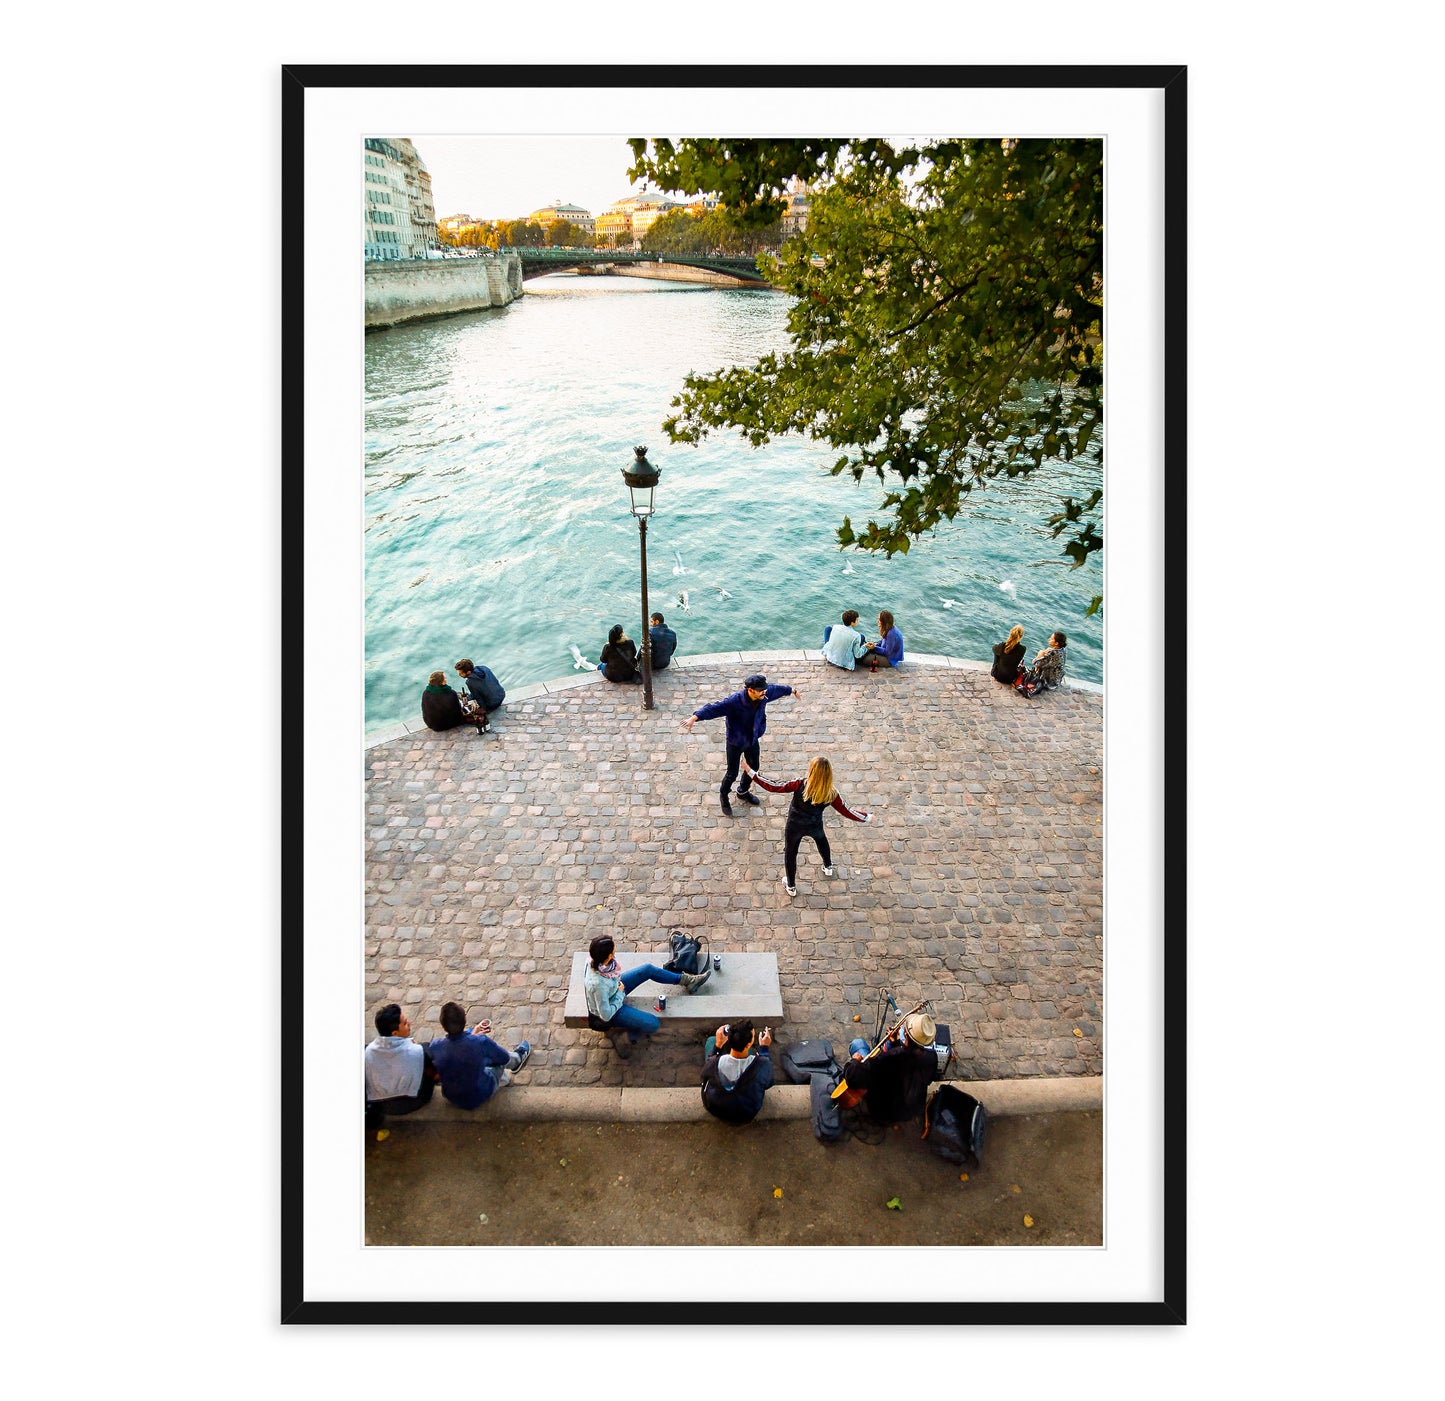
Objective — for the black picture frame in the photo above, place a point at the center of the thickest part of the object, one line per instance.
(1171, 82)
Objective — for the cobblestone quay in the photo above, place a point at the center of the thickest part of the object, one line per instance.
(491, 858)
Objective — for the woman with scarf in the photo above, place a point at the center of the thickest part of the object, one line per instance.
(606, 987)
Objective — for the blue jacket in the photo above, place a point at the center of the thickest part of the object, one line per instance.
(664, 644)
(486, 688)
(747, 720)
(463, 1063)
(890, 647)
(738, 1103)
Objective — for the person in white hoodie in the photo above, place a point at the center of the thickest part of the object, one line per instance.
(399, 1073)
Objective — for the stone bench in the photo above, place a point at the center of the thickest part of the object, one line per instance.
(746, 986)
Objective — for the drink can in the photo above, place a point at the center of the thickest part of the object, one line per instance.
(717, 963)
(662, 1002)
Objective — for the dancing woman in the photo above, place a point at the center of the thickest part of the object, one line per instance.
(805, 817)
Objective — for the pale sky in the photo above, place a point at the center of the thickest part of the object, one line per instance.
(506, 177)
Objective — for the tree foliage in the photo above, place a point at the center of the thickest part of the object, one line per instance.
(946, 324)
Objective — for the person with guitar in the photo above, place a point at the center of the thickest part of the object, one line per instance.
(893, 1078)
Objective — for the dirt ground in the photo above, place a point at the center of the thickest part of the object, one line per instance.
(714, 1184)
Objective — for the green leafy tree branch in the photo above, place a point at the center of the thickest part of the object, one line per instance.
(946, 327)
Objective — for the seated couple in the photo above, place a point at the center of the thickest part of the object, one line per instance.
(618, 661)
(1047, 671)
(844, 646)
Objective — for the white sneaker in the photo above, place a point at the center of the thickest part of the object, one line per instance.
(791, 889)
(827, 870)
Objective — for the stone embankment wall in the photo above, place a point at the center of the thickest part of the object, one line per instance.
(417, 291)
(681, 272)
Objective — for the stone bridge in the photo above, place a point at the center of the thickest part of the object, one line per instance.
(716, 270)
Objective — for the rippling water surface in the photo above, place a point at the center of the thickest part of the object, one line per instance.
(497, 522)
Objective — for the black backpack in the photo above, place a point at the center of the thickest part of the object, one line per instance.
(689, 955)
(804, 1059)
(826, 1115)
(953, 1125)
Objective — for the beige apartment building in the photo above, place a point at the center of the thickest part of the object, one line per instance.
(399, 216)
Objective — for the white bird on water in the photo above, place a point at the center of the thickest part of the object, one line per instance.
(579, 662)
(848, 569)
(677, 569)
(1008, 587)
(682, 600)
(722, 592)
(948, 602)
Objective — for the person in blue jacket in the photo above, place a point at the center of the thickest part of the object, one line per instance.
(737, 1072)
(481, 681)
(663, 642)
(889, 647)
(747, 721)
(472, 1066)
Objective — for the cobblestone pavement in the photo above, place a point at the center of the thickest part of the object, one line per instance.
(491, 859)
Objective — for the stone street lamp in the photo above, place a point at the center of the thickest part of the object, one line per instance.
(642, 481)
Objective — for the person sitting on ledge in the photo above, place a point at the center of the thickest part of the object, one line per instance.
(606, 987)
(1007, 655)
(842, 646)
(472, 1066)
(441, 707)
(737, 1072)
(889, 647)
(485, 689)
(400, 1076)
(619, 657)
(664, 642)
(1048, 666)
(896, 1080)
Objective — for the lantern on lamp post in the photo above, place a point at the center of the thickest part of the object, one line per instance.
(641, 481)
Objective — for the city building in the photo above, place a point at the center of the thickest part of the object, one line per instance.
(400, 218)
(795, 217)
(574, 214)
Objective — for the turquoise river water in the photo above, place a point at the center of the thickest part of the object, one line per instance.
(497, 521)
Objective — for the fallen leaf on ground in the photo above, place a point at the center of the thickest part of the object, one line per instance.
(483, 1218)
(1028, 1220)
(963, 1177)
(1015, 1188)
(1077, 1032)
(777, 1191)
(857, 1019)
(893, 1204)
(382, 1135)
(563, 1161)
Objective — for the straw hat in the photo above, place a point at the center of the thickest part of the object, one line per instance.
(920, 1028)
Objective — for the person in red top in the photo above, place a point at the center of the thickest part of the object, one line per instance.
(805, 817)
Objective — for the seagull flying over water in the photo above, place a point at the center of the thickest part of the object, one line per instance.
(682, 600)
(722, 592)
(848, 569)
(579, 662)
(677, 569)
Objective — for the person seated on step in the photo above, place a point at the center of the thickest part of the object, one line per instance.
(1047, 672)
(441, 707)
(842, 646)
(1007, 656)
(663, 642)
(482, 684)
(895, 1081)
(889, 646)
(619, 657)
(737, 1071)
(472, 1066)
(400, 1076)
(606, 987)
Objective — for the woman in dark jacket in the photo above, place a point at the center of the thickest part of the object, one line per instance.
(441, 707)
(1007, 656)
(811, 794)
(619, 656)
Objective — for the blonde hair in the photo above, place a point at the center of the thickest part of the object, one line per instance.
(1016, 635)
(818, 786)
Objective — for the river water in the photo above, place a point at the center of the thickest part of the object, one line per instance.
(497, 521)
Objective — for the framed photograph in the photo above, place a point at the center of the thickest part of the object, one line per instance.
(728, 820)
